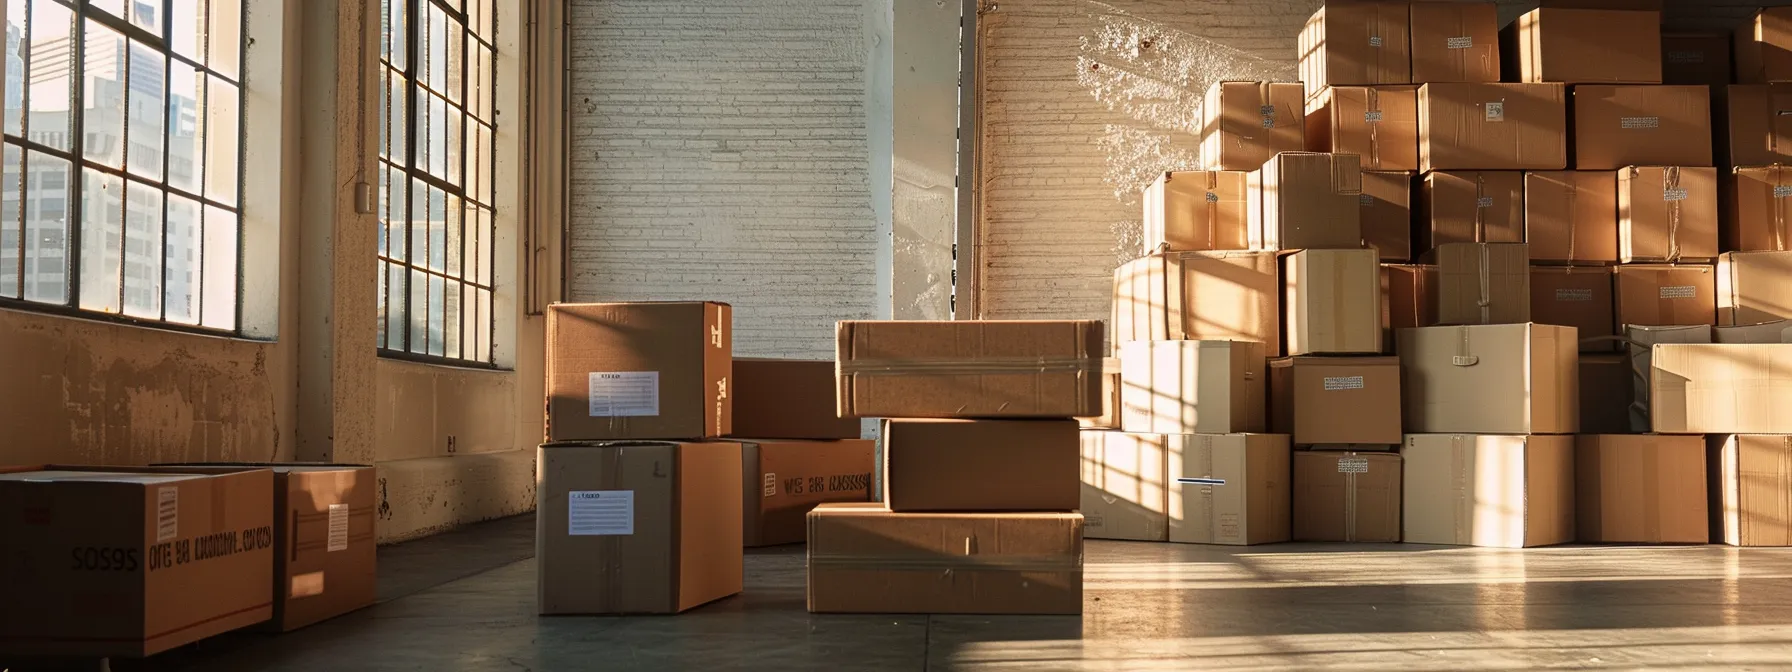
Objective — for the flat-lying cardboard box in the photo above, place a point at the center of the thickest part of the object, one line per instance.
(1464, 206)
(1641, 125)
(1664, 295)
(1386, 214)
(781, 479)
(787, 399)
(1125, 493)
(1721, 389)
(1579, 297)
(1499, 491)
(1764, 47)
(1110, 398)
(637, 527)
(1494, 379)
(1455, 42)
(952, 465)
(1756, 208)
(1199, 210)
(1356, 42)
(1334, 301)
(1605, 394)
(1310, 200)
(1696, 58)
(1379, 124)
(1482, 283)
(639, 370)
(970, 369)
(1346, 496)
(1200, 296)
(1336, 400)
(1642, 340)
(1492, 126)
(1571, 216)
(1252, 507)
(1667, 214)
(1754, 287)
(1243, 124)
(1765, 332)
(1192, 387)
(1410, 299)
(1640, 488)
(1759, 128)
(866, 559)
(1751, 489)
(1580, 46)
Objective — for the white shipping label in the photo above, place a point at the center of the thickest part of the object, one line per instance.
(1496, 110)
(1353, 465)
(1679, 292)
(1782, 190)
(1673, 194)
(1375, 40)
(593, 513)
(1573, 294)
(1639, 122)
(1484, 202)
(623, 394)
(1684, 57)
(338, 540)
(1343, 383)
(1213, 197)
(771, 484)
(1465, 42)
(1372, 116)
(167, 513)
(1269, 115)
(1365, 199)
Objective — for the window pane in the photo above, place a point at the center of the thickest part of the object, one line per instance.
(102, 235)
(397, 212)
(434, 48)
(186, 127)
(380, 328)
(419, 222)
(52, 75)
(146, 104)
(15, 68)
(103, 87)
(452, 227)
(396, 306)
(454, 61)
(438, 230)
(189, 29)
(451, 165)
(469, 305)
(397, 118)
(220, 269)
(438, 136)
(481, 11)
(452, 329)
(419, 324)
(185, 238)
(47, 181)
(221, 118)
(113, 7)
(436, 319)
(11, 234)
(394, 45)
(483, 331)
(142, 250)
(224, 40)
(484, 218)
(146, 14)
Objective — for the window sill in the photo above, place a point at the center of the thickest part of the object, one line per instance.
(440, 362)
(22, 306)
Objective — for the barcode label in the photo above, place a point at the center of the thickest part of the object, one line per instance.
(1782, 191)
(338, 539)
(1496, 111)
(1212, 197)
(1673, 194)
(167, 513)
(1573, 294)
(1269, 115)
(1679, 292)
(592, 513)
(1353, 465)
(1685, 57)
(1365, 199)
(1372, 116)
(1484, 202)
(771, 484)
(621, 394)
(1460, 43)
(1375, 40)
(1343, 383)
(1639, 122)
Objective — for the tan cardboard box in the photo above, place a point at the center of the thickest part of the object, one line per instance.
(1662, 295)
(1764, 47)
(1154, 298)
(866, 559)
(1386, 214)
(1455, 42)
(1252, 507)
(1667, 214)
(1751, 489)
(1411, 299)
(1334, 302)
(1579, 297)
(1765, 332)
(1696, 58)
(1760, 133)
(639, 370)
(787, 399)
(1488, 490)
(1757, 209)
(1643, 125)
(1482, 283)
(1125, 494)
(1493, 127)
(1243, 124)
(1379, 124)
(1336, 400)
(1605, 394)
(781, 479)
(1493, 379)
(1199, 210)
(1110, 398)
(1640, 488)
(1635, 5)
(950, 465)
(1192, 387)
(1485, 206)
(1571, 216)
(1346, 496)
(1582, 46)
(1310, 200)
(1356, 42)
(970, 368)
(1642, 354)
(1721, 389)
(1754, 287)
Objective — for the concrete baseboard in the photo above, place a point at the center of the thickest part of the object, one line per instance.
(423, 496)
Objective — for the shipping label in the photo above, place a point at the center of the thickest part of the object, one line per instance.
(1679, 292)
(1673, 195)
(1353, 465)
(1343, 383)
(596, 513)
(1496, 110)
(167, 513)
(338, 535)
(622, 394)
(1639, 122)
(816, 485)
(1574, 294)
(1465, 42)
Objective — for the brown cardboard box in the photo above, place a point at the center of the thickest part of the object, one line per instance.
(1756, 210)
(1651, 125)
(1484, 206)
(1633, 5)
(1642, 341)
(1346, 496)
(1494, 379)
(1482, 283)
(1192, 387)
(866, 559)
(1754, 287)
(1605, 394)
(1765, 332)
(1579, 46)
(1721, 389)
(782, 479)
(1379, 124)
(130, 562)
(1696, 58)
(1386, 214)
(1759, 120)
(1667, 214)
(1356, 42)
(1751, 489)
(1252, 507)
(1310, 200)
(1455, 42)
(970, 369)
(949, 465)
(1198, 210)
(1411, 298)
(639, 370)
(1334, 302)
(637, 527)
(787, 399)
(1243, 124)
(1579, 297)
(1493, 127)
(1336, 400)
(1486, 490)
(1154, 298)
(1124, 489)
(1571, 216)
(1661, 295)
(1110, 398)
(1764, 47)
(1640, 488)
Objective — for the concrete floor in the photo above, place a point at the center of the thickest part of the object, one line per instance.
(466, 601)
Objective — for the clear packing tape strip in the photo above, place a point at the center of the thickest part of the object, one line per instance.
(970, 367)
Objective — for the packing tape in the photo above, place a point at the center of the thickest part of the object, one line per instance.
(1485, 298)
(1374, 128)
(966, 562)
(1459, 483)
(981, 365)
(1464, 356)
(1573, 185)
(1479, 234)
(1204, 460)
(1349, 499)
(1778, 206)
(1213, 210)
(1670, 177)
(612, 544)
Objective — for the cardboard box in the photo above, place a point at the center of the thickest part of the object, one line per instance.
(639, 370)
(1640, 489)
(132, 562)
(1756, 210)
(1243, 124)
(970, 369)
(1356, 42)
(781, 480)
(1346, 496)
(952, 465)
(1310, 200)
(1657, 125)
(1379, 124)
(1696, 58)
(1667, 214)
(1634, 5)
(1485, 206)
(1759, 120)
(1754, 287)
(1192, 387)
(1455, 42)
(1751, 489)
(1571, 216)
(865, 559)
(1494, 379)
(1125, 493)
(1660, 295)
(1764, 47)
(1336, 400)
(1334, 301)
(1252, 507)
(1721, 389)
(1492, 126)
(1198, 210)
(1486, 490)
(1240, 294)
(1579, 297)
(1581, 46)
(1605, 394)
(1411, 299)
(1110, 398)
(1386, 214)
(787, 399)
(1482, 283)
(1642, 355)
(637, 527)
(1765, 332)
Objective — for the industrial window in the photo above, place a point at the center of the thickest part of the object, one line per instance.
(122, 156)
(436, 141)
